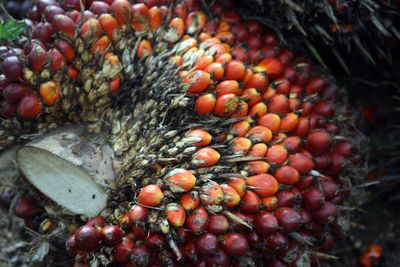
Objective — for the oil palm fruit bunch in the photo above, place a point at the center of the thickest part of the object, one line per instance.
(224, 157)
(334, 28)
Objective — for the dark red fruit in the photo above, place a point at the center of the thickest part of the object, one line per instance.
(278, 242)
(14, 92)
(97, 221)
(220, 259)
(312, 199)
(138, 214)
(111, 235)
(156, 242)
(318, 141)
(122, 251)
(25, 207)
(12, 68)
(100, 7)
(235, 244)
(289, 219)
(266, 223)
(29, 108)
(43, 31)
(71, 245)
(207, 244)
(198, 221)
(141, 256)
(219, 224)
(88, 238)
(326, 213)
(7, 110)
(51, 11)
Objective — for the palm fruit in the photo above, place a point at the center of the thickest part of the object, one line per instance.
(331, 29)
(224, 157)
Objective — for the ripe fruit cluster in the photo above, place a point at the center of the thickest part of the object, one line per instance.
(259, 187)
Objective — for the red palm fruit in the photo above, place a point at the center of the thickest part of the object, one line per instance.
(101, 45)
(251, 202)
(235, 70)
(285, 56)
(258, 150)
(251, 96)
(122, 251)
(207, 244)
(211, 193)
(97, 221)
(289, 122)
(190, 200)
(195, 22)
(254, 42)
(240, 145)
(231, 196)
(279, 104)
(124, 222)
(287, 175)
(198, 221)
(29, 108)
(219, 224)
(183, 235)
(216, 70)
(111, 235)
(303, 127)
(289, 219)
(65, 25)
(180, 180)
(203, 136)
(100, 7)
(259, 134)
(228, 87)
(74, 15)
(138, 214)
(318, 141)
(270, 120)
(315, 85)
(50, 92)
(88, 238)
(282, 87)
(109, 25)
(258, 110)
(324, 109)
(322, 161)
(114, 84)
(156, 242)
(140, 17)
(203, 62)
(74, 4)
(198, 81)
(12, 68)
(175, 31)
(266, 223)
(240, 53)
(57, 60)
(189, 251)
(257, 167)
(14, 92)
(305, 182)
(241, 32)
(238, 184)
(224, 58)
(37, 58)
(270, 203)
(258, 81)
(150, 195)
(90, 30)
(329, 187)
(65, 48)
(72, 73)
(301, 162)
(272, 66)
(254, 27)
(219, 258)
(235, 244)
(240, 128)
(155, 18)
(43, 31)
(336, 164)
(264, 185)
(278, 242)
(138, 232)
(286, 198)
(277, 154)
(175, 214)
(122, 11)
(312, 198)
(24, 207)
(51, 11)
(292, 143)
(327, 213)
(255, 241)
(206, 157)
(42, 4)
(144, 49)
(344, 148)
(7, 110)
(180, 11)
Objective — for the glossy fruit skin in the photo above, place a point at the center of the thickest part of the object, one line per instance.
(235, 244)
(29, 108)
(150, 195)
(88, 238)
(12, 68)
(207, 244)
(111, 235)
(13, 93)
(123, 250)
(24, 207)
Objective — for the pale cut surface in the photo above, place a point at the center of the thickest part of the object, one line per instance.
(61, 181)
